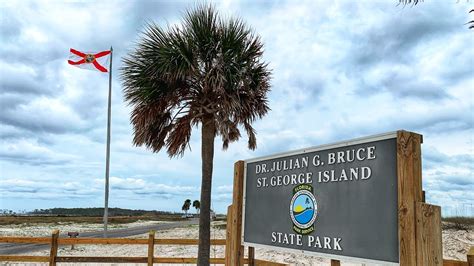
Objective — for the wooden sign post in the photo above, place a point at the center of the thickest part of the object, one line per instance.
(419, 224)
(237, 250)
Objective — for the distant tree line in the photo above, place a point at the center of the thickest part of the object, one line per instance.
(7, 212)
(96, 212)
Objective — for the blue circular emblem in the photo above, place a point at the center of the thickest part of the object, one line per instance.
(303, 210)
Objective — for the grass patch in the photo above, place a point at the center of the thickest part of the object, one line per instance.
(220, 226)
(458, 223)
(40, 219)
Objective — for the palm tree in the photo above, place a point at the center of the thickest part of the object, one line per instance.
(197, 205)
(186, 205)
(209, 72)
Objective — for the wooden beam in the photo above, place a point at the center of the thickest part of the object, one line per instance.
(470, 256)
(151, 247)
(182, 241)
(237, 253)
(335, 263)
(132, 241)
(251, 256)
(15, 239)
(455, 263)
(428, 233)
(24, 258)
(268, 263)
(54, 248)
(409, 193)
(187, 260)
(69, 259)
(172, 260)
(228, 245)
(103, 241)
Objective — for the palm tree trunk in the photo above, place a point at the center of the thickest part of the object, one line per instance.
(207, 156)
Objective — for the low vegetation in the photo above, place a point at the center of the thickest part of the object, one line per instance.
(96, 212)
(458, 223)
(87, 215)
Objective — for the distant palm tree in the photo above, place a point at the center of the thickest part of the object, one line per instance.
(208, 72)
(186, 205)
(197, 205)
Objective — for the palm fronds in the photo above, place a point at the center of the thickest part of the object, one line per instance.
(207, 67)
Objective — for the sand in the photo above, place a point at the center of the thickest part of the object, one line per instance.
(47, 229)
(456, 244)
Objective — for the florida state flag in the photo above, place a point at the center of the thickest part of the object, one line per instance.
(92, 61)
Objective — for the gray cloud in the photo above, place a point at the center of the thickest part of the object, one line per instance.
(29, 152)
(9, 26)
(346, 70)
(393, 49)
(27, 80)
(396, 37)
(44, 189)
(404, 85)
(10, 101)
(434, 158)
(40, 121)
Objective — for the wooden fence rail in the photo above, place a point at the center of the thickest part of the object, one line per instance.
(107, 241)
(55, 241)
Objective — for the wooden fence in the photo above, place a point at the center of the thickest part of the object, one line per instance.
(54, 241)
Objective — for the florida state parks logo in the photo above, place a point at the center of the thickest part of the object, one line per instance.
(303, 209)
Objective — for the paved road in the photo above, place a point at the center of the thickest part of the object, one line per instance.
(11, 249)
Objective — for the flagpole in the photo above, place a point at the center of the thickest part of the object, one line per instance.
(107, 156)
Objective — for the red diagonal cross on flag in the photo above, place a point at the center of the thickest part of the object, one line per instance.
(92, 61)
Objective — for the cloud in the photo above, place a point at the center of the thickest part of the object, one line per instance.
(27, 152)
(43, 115)
(394, 35)
(436, 158)
(141, 187)
(22, 79)
(340, 70)
(402, 82)
(20, 188)
(129, 188)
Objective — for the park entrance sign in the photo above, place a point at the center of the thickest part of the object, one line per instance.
(339, 201)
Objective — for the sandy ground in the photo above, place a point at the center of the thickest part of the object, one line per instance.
(456, 244)
(47, 229)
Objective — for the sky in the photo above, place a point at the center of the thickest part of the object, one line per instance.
(340, 70)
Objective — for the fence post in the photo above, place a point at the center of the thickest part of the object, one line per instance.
(237, 249)
(251, 256)
(335, 263)
(54, 248)
(470, 256)
(428, 234)
(228, 240)
(409, 193)
(151, 247)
